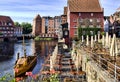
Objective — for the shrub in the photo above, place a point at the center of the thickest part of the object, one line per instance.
(86, 31)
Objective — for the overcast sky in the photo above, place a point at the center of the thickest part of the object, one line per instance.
(26, 10)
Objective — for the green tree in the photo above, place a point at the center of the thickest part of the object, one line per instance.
(17, 24)
(80, 30)
(27, 27)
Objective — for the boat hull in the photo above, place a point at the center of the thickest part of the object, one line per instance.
(22, 70)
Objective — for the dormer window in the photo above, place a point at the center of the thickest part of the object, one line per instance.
(91, 14)
(79, 14)
(9, 24)
(5, 23)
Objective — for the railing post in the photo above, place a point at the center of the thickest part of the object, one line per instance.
(115, 73)
(99, 61)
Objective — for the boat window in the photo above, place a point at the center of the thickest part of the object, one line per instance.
(19, 65)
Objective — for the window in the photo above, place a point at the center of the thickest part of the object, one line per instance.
(74, 20)
(5, 23)
(91, 20)
(9, 24)
(91, 14)
(80, 20)
(98, 26)
(83, 26)
(66, 33)
(75, 32)
(90, 25)
(79, 14)
(98, 20)
(74, 26)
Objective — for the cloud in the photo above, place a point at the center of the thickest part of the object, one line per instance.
(110, 6)
(33, 5)
(18, 9)
(29, 8)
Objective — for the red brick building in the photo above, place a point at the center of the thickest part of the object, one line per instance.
(83, 13)
(37, 25)
(18, 31)
(64, 16)
(6, 27)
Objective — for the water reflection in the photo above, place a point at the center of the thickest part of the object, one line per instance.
(8, 53)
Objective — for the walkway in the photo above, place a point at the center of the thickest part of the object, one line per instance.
(64, 67)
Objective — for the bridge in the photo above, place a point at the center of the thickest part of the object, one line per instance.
(48, 35)
(42, 35)
(27, 36)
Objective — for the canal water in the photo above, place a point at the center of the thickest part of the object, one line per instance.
(8, 54)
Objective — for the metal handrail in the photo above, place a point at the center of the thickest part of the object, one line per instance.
(111, 68)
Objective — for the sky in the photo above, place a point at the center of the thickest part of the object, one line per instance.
(26, 10)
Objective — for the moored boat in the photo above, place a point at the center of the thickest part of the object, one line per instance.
(24, 63)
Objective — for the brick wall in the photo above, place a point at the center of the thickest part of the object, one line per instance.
(75, 16)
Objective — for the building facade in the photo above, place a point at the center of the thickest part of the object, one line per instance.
(51, 27)
(6, 27)
(114, 23)
(18, 31)
(45, 23)
(57, 22)
(84, 13)
(64, 16)
(51, 24)
(37, 25)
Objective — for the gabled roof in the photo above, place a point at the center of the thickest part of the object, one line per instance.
(37, 17)
(65, 10)
(84, 6)
(118, 10)
(6, 19)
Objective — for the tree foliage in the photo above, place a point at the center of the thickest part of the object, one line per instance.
(27, 27)
(87, 31)
(87, 22)
(17, 24)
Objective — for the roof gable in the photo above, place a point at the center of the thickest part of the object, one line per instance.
(65, 10)
(37, 17)
(6, 19)
(84, 6)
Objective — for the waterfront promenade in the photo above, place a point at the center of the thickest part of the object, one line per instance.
(59, 66)
(82, 62)
(64, 68)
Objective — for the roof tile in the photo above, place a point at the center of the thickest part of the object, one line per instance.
(84, 6)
